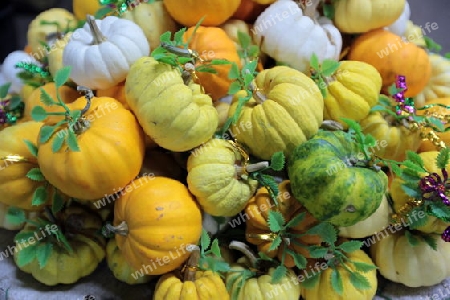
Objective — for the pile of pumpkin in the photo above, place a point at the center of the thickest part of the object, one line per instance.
(228, 149)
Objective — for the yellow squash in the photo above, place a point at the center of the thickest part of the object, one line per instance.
(285, 111)
(176, 116)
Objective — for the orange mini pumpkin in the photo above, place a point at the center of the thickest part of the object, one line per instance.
(155, 223)
(248, 11)
(68, 95)
(117, 92)
(257, 230)
(392, 56)
(111, 151)
(213, 43)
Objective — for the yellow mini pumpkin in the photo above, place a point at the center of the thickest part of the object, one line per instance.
(215, 177)
(199, 285)
(121, 268)
(176, 116)
(285, 111)
(356, 16)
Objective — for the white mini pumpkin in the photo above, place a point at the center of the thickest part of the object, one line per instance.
(291, 35)
(10, 71)
(102, 52)
(401, 24)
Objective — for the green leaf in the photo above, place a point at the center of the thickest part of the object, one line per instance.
(38, 113)
(43, 252)
(326, 231)
(14, 102)
(328, 11)
(235, 87)
(234, 72)
(220, 267)
(430, 241)
(440, 211)
(206, 69)
(72, 141)
(46, 99)
(413, 166)
(275, 243)
(412, 239)
(58, 141)
(276, 221)
(314, 62)
(350, 246)
(178, 36)
(394, 90)
(63, 240)
(310, 282)
(329, 67)
(31, 147)
(23, 236)
(215, 249)
(412, 192)
(431, 44)
(39, 196)
(447, 55)
(4, 89)
(185, 60)
(363, 267)
(57, 202)
(218, 62)
(166, 37)
(103, 12)
(396, 170)
(15, 216)
(270, 184)
(443, 158)
(359, 281)
(244, 39)
(415, 158)
(437, 123)
(253, 51)
(26, 255)
(277, 161)
(296, 220)
(299, 260)
(370, 141)
(250, 66)
(414, 220)
(46, 133)
(278, 274)
(205, 241)
(378, 108)
(318, 252)
(35, 174)
(248, 78)
(195, 30)
(62, 76)
(336, 282)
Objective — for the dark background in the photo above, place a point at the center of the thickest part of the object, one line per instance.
(14, 23)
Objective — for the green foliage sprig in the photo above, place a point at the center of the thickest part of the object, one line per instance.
(320, 72)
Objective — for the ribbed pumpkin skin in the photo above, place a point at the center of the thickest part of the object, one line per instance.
(212, 179)
(400, 198)
(356, 16)
(68, 95)
(324, 288)
(177, 117)
(207, 285)
(120, 267)
(189, 12)
(214, 42)
(439, 84)
(117, 92)
(162, 218)
(16, 189)
(258, 210)
(398, 139)
(330, 189)
(353, 90)
(391, 56)
(99, 168)
(413, 266)
(153, 19)
(291, 113)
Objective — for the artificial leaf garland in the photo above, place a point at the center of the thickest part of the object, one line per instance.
(11, 107)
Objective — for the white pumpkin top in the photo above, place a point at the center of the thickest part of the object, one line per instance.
(292, 37)
(400, 25)
(102, 52)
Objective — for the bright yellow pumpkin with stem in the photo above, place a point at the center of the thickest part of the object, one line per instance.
(357, 16)
(286, 110)
(195, 285)
(351, 91)
(400, 198)
(177, 116)
(439, 84)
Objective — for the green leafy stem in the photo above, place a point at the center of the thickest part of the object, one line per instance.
(322, 73)
(73, 121)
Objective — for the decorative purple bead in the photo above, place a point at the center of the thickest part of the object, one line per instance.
(446, 235)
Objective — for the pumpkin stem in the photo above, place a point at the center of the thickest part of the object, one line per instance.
(331, 125)
(83, 124)
(121, 229)
(96, 33)
(309, 8)
(244, 170)
(190, 268)
(245, 249)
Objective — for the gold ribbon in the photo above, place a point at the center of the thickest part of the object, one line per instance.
(268, 237)
(239, 150)
(405, 209)
(14, 158)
